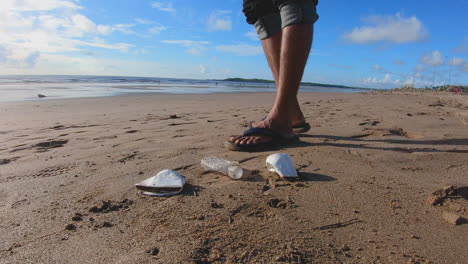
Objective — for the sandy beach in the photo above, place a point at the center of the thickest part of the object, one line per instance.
(369, 168)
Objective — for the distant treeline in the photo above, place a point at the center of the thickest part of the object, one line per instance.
(303, 83)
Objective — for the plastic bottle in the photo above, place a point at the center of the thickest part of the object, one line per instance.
(229, 168)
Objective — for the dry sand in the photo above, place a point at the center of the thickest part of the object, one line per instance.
(368, 171)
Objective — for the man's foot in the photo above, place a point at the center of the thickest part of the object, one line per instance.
(297, 117)
(267, 139)
(299, 124)
(281, 128)
(295, 123)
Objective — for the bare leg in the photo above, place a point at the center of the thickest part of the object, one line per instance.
(272, 50)
(296, 41)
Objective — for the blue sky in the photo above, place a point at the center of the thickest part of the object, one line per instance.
(377, 44)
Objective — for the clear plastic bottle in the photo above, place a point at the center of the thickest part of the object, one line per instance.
(229, 168)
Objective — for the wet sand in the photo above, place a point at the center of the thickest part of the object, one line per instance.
(372, 171)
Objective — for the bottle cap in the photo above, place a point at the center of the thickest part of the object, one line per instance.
(235, 172)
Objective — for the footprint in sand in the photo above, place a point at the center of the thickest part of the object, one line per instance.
(281, 204)
(179, 124)
(111, 206)
(62, 127)
(53, 171)
(4, 161)
(45, 146)
(369, 122)
(400, 132)
(454, 200)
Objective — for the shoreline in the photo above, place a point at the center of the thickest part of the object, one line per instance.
(46, 98)
(367, 169)
(28, 87)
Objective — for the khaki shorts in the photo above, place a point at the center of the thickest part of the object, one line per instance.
(270, 16)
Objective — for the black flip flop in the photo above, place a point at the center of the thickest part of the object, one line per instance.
(277, 140)
(301, 128)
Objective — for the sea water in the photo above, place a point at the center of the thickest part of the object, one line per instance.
(21, 88)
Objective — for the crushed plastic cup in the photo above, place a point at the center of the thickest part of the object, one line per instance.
(281, 164)
(229, 168)
(165, 183)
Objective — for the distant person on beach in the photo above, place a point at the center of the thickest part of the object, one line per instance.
(285, 28)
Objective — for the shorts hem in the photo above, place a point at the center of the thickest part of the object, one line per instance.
(291, 13)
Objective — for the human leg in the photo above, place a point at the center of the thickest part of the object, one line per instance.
(297, 19)
(296, 41)
(272, 49)
(287, 52)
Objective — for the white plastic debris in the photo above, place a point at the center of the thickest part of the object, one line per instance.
(165, 183)
(229, 168)
(282, 164)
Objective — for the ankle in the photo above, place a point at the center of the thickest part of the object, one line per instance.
(279, 123)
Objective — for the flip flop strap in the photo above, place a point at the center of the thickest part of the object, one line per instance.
(260, 131)
(301, 125)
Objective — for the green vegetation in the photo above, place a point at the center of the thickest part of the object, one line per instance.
(448, 88)
(303, 83)
(247, 80)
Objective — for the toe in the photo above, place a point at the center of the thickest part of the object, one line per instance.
(233, 138)
(251, 140)
(245, 140)
(239, 140)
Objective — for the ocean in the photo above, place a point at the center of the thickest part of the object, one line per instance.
(22, 88)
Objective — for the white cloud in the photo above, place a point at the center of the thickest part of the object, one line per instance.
(156, 29)
(82, 25)
(34, 5)
(166, 7)
(194, 47)
(252, 35)
(219, 20)
(395, 29)
(419, 68)
(31, 59)
(3, 55)
(203, 69)
(143, 21)
(124, 28)
(186, 43)
(72, 65)
(241, 49)
(387, 78)
(30, 29)
(436, 58)
(102, 44)
(387, 81)
(460, 63)
(374, 80)
(457, 61)
(18, 58)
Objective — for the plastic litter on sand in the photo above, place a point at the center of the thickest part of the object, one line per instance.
(281, 164)
(229, 168)
(165, 183)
